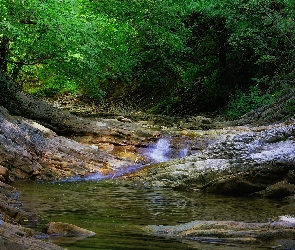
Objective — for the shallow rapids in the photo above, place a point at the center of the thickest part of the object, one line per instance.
(160, 151)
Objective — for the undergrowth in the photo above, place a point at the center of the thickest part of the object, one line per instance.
(243, 102)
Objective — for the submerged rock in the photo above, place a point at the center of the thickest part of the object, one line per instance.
(230, 231)
(66, 229)
(13, 234)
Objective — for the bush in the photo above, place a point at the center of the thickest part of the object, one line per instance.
(243, 102)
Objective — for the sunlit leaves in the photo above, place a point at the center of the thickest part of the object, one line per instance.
(151, 42)
(67, 37)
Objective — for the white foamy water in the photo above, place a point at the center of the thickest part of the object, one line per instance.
(280, 151)
(183, 152)
(160, 152)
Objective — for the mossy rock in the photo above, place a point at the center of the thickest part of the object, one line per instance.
(235, 187)
(279, 190)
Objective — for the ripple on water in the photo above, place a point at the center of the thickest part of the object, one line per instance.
(116, 212)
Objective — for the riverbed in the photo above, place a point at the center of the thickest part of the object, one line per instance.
(117, 212)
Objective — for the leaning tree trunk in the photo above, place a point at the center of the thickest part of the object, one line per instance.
(20, 103)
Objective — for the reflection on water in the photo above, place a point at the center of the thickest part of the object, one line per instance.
(116, 213)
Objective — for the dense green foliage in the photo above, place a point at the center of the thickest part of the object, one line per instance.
(190, 55)
(244, 102)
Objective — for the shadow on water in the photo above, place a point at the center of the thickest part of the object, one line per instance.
(117, 213)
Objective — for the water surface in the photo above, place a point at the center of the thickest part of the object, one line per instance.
(116, 213)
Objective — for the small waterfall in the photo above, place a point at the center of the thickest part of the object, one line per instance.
(183, 152)
(163, 150)
(160, 152)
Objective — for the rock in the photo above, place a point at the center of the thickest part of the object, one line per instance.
(4, 174)
(123, 119)
(278, 191)
(12, 234)
(156, 134)
(30, 151)
(234, 186)
(239, 161)
(65, 229)
(195, 122)
(56, 119)
(226, 232)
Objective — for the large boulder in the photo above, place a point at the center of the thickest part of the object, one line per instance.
(242, 161)
(31, 151)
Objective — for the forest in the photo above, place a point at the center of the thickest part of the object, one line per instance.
(179, 132)
(168, 56)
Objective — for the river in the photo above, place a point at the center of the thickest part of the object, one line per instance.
(117, 212)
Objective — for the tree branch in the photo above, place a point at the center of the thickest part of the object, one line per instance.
(24, 21)
(26, 63)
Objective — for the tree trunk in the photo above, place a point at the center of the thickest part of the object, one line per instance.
(221, 36)
(3, 52)
(23, 104)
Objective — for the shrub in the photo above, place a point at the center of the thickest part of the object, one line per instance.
(243, 102)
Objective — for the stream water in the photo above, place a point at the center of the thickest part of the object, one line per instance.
(117, 213)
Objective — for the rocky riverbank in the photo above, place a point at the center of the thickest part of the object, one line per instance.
(13, 233)
(30, 150)
(15, 223)
(225, 159)
(241, 161)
